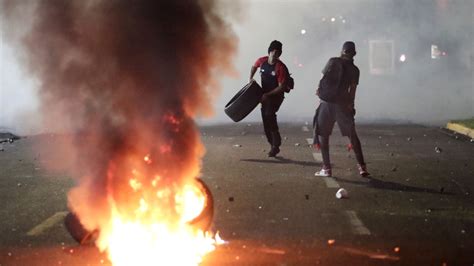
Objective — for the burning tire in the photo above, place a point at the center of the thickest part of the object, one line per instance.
(244, 101)
(202, 221)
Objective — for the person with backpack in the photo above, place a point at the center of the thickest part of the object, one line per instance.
(336, 92)
(275, 82)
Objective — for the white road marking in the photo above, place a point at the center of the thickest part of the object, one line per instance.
(357, 226)
(317, 157)
(330, 182)
(47, 224)
(305, 129)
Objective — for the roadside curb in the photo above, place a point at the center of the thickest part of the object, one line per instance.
(460, 129)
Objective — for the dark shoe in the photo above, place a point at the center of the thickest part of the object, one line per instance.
(274, 151)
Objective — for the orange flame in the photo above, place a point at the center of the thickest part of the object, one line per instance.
(149, 235)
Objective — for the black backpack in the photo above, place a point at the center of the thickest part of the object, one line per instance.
(330, 85)
(290, 84)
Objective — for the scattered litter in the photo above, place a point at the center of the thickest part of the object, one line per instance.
(387, 145)
(249, 125)
(331, 241)
(438, 149)
(306, 197)
(394, 169)
(264, 150)
(342, 193)
(285, 218)
(409, 139)
(243, 133)
(380, 137)
(408, 179)
(428, 210)
(18, 185)
(391, 154)
(472, 140)
(424, 135)
(396, 249)
(227, 210)
(237, 145)
(231, 199)
(285, 138)
(463, 231)
(297, 144)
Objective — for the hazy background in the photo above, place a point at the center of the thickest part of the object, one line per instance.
(421, 89)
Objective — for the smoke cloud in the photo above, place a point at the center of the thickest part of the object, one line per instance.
(128, 78)
(419, 90)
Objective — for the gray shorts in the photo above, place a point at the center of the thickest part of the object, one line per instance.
(329, 113)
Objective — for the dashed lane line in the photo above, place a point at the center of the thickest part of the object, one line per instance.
(357, 226)
(330, 182)
(317, 157)
(47, 224)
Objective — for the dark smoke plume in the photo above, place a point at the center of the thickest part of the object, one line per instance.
(128, 78)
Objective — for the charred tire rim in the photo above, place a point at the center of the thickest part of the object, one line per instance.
(85, 237)
(204, 219)
(244, 101)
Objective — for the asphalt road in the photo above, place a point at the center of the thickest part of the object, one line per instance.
(417, 209)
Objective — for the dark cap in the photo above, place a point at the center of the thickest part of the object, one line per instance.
(275, 45)
(349, 48)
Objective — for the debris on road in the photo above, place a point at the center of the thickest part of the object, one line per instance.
(394, 169)
(342, 193)
(297, 144)
(231, 199)
(237, 145)
(306, 197)
(243, 133)
(409, 139)
(441, 189)
(438, 149)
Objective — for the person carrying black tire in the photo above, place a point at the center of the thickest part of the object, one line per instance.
(336, 91)
(274, 78)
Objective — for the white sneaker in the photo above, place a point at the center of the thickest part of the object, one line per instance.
(324, 172)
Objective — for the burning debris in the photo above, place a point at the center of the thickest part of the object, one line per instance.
(130, 77)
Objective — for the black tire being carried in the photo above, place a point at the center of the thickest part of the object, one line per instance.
(244, 101)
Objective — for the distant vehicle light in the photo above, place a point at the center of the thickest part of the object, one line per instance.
(403, 58)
